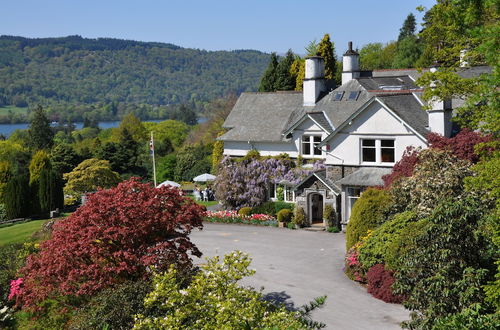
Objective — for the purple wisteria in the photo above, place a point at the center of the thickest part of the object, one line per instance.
(246, 182)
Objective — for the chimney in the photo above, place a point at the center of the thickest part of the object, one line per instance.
(314, 80)
(440, 114)
(350, 64)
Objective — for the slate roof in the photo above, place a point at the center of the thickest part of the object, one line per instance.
(320, 118)
(378, 83)
(261, 116)
(321, 175)
(365, 176)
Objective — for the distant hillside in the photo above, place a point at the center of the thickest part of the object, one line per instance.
(75, 70)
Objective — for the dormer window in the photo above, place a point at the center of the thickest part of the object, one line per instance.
(309, 144)
(353, 96)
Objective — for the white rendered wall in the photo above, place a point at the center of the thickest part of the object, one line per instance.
(374, 123)
(308, 127)
(311, 90)
(350, 68)
(239, 149)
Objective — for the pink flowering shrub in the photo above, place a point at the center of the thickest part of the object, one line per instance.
(234, 217)
(15, 288)
(353, 267)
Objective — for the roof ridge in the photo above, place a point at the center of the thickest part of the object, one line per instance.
(385, 92)
(382, 70)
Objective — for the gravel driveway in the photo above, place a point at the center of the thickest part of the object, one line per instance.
(295, 266)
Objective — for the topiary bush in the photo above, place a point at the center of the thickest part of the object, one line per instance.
(369, 212)
(285, 215)
(299, 217)
(244, 211)
(380, 282)
(330, 216)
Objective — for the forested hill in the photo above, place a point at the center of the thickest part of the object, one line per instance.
(76, 70)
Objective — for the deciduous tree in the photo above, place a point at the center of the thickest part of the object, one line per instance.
(120, 234)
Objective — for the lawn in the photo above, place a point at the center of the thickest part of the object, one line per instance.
(19, 233)
(5, 110)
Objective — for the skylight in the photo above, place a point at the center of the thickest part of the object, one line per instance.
(353, 96)
(338, 96)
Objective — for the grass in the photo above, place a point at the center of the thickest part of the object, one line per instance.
(208, 203)
(14, 109)
(18, 233)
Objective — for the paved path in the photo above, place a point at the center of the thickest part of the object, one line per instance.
(295, 266)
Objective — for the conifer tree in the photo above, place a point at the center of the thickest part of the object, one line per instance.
(268, 81)
(40, 134)
(284, 79)
(297, 70)
(326, 50)
(17, 197)
(408, 28)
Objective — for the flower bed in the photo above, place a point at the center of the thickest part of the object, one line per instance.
(234, 217)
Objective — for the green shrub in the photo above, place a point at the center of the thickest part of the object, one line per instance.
(290, 225)
(280, 193)
(113, 308)
(278, 206)
(369, 212)
(244, 211)
(380, 247)
(285, 215)
(9, 265)
(330, 216)
(266, 208)
(299, 218)
(333, 229)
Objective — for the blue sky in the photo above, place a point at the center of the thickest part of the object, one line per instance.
(272, 25)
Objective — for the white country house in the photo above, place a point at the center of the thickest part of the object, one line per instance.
(360, 129)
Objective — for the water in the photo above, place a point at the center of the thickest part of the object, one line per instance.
(8, 129)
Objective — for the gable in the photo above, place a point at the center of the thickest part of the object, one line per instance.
(376, 119)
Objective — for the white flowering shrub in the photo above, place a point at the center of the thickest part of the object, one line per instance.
(437, 175)
(6, 317)
(214, 300)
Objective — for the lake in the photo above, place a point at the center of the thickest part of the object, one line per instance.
(8, 129)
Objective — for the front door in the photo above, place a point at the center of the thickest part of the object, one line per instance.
(316, 208)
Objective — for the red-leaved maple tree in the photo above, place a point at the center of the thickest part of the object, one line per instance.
(120, 234)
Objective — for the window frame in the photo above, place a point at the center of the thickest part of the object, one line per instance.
(378, 151)
(314, 152)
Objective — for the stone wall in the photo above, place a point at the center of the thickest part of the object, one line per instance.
(334, 172)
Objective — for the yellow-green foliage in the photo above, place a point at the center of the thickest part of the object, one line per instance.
(88, 176)
(40, 161)
(134, 127)
(175, 131)
(369, 212)
(251, 154)
(329, 215)
(380, 247)
(284, 215)
(327, 51)
(244, 211)
(299, 217)
(297, 70)
(213, 300)
(217, 153)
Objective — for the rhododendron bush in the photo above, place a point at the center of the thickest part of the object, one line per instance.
(246, 183)
(119, 234)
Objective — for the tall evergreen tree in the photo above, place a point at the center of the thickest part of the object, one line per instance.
(326, 50)
(40, 134)
(284, 79)
(408, 51)
(408, 28)
(268, 80)
(17, 197)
